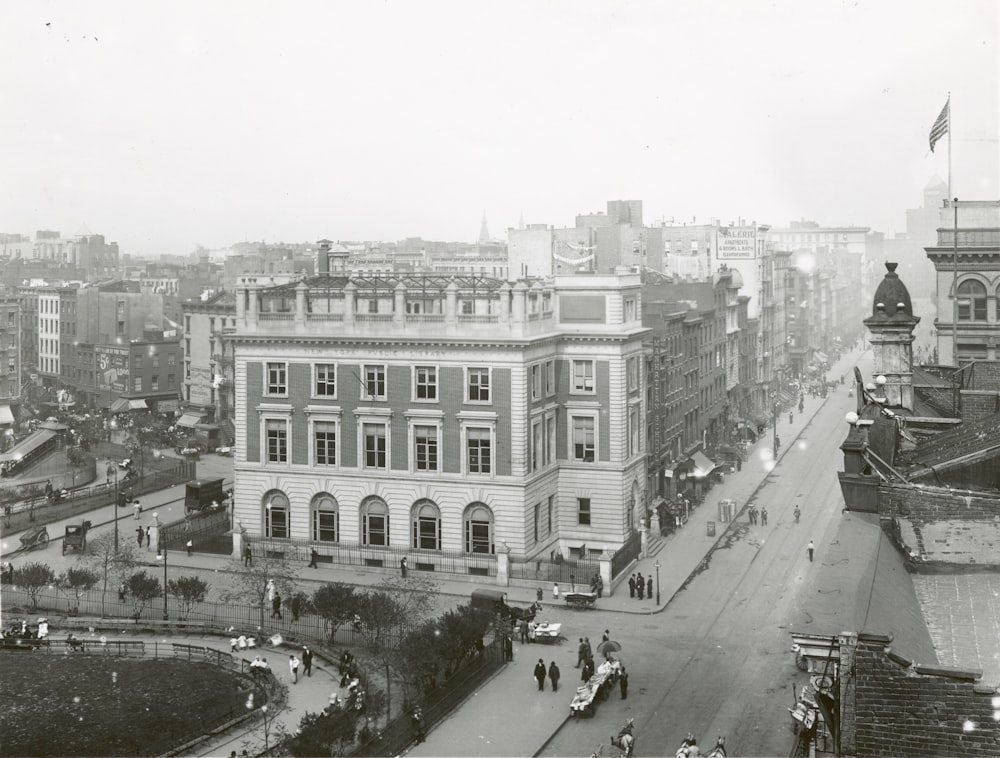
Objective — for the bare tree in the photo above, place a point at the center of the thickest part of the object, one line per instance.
(250, 584)
(110, 561)
(77, 580)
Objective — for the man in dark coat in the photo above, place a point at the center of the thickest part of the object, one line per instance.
(640, 585)
(623, 683)
(307, 661)
(540, 674)
(631, 586)
(554, 676)
(649, 587)
(276, 606)
(588, 670)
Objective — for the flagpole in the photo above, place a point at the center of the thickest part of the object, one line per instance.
(950, 123)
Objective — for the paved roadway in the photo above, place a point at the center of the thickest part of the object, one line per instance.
(716, 661)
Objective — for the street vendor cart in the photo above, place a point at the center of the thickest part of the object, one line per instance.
(548, 632)
(595, 689)
(580, 599)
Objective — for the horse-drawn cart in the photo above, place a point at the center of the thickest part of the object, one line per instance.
(37, 536)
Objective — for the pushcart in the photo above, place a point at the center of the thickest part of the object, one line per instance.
(580, 599)
(549, 633)
(37, 536)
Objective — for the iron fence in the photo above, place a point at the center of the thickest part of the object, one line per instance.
(200, 528)
(627, 553)
(566, 572)
(375, 556)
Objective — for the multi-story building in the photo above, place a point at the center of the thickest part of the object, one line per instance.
(207, 391)
(10, 360)
(57, 333)
(436, 414)
(968, 281)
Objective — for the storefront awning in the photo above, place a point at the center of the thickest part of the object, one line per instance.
(137, 404)
(189, 419)
(119, 405)
(6, 417)
(820, 356)
(703, 465)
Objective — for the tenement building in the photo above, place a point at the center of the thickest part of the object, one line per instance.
(441, 415)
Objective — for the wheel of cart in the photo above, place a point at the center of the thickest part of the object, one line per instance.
(37, 536)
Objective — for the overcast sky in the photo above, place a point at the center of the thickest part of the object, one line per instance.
(165, 126)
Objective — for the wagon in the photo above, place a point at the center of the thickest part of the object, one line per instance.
(76, 537)
(580, 599)
(37, 536)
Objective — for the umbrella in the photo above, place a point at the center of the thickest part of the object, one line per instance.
(42, 619)
(609, 646)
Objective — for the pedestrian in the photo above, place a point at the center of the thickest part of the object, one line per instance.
(402, 567)
(417, 719)
(295, 605)
(606, 636)
(752, 513)
(763, 516)
(276, 606)
(649, 586)
(540, 674)
(581, 654)
(640, 585)
(270, 590)
(555, 591)
(293, 667)
(190, 546)
(121, 592)
(600, 586)
(791, 416)
(247, 556)
(554, 676)
(508, 645)
(588, 652)
(588, 671)
(137, 509)
(797, 513)
(313, 555)
(623, 682)
(809, 549)
(147, 537)
(139, 535)
(631, 586)
(307, 661)
(522, 628)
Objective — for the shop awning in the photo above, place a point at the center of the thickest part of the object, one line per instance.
(703, 465)
(6, 417)
(119, 405)
(189, 419)
(137, 404)
(820, 356)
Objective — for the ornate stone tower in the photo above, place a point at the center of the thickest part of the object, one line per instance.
(891, 328)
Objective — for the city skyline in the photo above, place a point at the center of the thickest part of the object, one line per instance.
(193, 126)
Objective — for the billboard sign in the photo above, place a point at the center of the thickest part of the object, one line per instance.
(112, 368)
(737, 243)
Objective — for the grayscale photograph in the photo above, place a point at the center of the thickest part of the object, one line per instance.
(453, 378)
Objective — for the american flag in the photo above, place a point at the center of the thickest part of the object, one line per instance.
(940, 127)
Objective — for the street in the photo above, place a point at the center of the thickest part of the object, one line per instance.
(716, 661)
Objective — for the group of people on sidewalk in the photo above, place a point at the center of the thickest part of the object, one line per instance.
(640, 586)
(552, 673)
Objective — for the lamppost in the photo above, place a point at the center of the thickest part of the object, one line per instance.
(774, 424)
(161, 546)
(657, 567)
(113, 469)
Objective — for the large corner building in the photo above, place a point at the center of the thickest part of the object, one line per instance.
(441, 414)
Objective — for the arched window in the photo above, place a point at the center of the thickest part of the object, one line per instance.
(971, 301)
(325, 518)
(374, 521)
(478, 529)
(276, 514)
(426, 525)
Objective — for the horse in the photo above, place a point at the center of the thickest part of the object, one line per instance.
(689, 748)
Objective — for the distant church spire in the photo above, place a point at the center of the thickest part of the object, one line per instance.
(484, 233)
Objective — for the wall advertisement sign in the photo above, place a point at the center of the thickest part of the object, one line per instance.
(737, 243)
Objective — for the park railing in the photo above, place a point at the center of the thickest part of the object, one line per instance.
(375, 556)
(569, 573)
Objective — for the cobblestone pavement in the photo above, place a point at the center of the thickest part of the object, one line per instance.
(963, 617)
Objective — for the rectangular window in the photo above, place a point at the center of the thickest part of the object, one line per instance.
(425, 383)
(548, 515)
(137, 384)
(536, 381)
(537, 509)
(171, 381)
(632, 369)
(537, 450)
(375, 446)
(550, 440)
(630, 309)
(376, 528)
(550, 378)
(325, 442)
(633, 430)
(156, 361)
(583, 511)
(375, 382)
(478, 449)
(277, 379)
(425, 446)
(583, 376)
(326, 380)
(171, 359)
(324, 526)
(137, 361)
(583, 439)
(155, 383)
(479, 385)
(277, 440)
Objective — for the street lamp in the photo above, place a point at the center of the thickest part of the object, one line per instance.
(161, 545)
(657, 567)
(113, 469)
